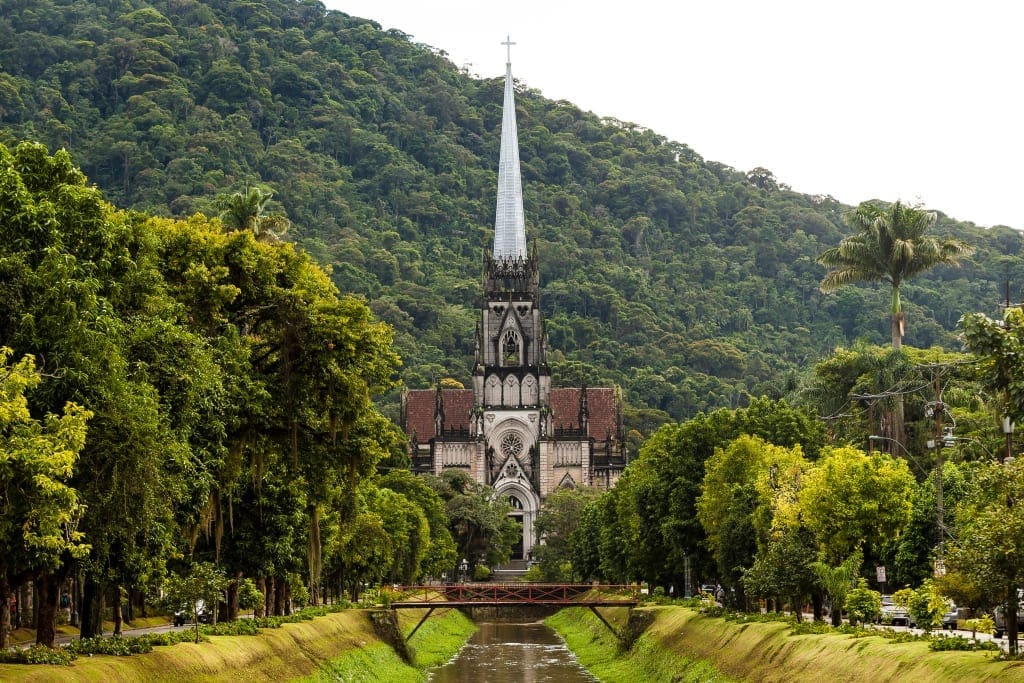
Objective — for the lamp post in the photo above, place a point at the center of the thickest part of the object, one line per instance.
(1008, 431)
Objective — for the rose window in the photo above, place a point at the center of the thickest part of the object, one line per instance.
(511, 445)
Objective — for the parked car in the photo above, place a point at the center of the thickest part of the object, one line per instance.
(999, 619)
(182, 616)
(952, 618)
(894, 614)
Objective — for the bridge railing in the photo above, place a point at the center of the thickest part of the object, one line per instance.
(522, 593)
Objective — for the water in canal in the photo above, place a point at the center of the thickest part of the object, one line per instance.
(513, 653)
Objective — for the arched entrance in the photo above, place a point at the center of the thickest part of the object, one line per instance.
(525, 505)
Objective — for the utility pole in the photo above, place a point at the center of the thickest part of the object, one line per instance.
(940, 408)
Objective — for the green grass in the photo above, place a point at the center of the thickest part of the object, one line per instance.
(681, 641)
(648, 660)
(440, 637)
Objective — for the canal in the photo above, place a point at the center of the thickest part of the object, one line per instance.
(513, 653)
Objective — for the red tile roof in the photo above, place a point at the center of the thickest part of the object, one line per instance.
(419, 411)
(565, 410)
(458, 404)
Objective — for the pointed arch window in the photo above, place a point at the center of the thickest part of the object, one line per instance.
(511, 349)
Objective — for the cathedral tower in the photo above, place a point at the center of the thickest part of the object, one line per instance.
(513, 431)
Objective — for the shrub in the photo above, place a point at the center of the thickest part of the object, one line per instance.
(863, 604)
(960, 643)
(38, 654)
(926, 606)
(482, 573)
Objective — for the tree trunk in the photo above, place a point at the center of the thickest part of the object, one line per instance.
(816, 606)
(1010, 614)
(269, 596)
(232, 598)
(47, 591)
(115, 608)
(5, 608)
(313, 555)
(91, 608)
(279, 585)
(261, 609)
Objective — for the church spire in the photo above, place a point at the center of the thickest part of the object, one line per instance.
(509, 224)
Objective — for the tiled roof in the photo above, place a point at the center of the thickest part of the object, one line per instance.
(458, 404)
(565, 410)
(419, 411)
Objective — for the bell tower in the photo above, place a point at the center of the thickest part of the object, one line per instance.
(511, 377)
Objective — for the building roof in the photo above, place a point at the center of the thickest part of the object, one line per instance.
(601, 413)
(420, 407)
(458, 404)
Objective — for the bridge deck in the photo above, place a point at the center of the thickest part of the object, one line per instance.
(514, 594)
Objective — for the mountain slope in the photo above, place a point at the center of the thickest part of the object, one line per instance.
(687, 282)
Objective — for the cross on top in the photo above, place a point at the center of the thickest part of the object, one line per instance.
(508, 44)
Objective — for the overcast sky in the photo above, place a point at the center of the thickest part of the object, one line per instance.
(897, 99)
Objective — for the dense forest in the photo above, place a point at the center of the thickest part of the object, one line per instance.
(690, 284)
(194, 365)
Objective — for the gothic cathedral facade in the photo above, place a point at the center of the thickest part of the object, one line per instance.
(513, 431)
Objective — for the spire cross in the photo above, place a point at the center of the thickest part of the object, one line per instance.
(508, 44)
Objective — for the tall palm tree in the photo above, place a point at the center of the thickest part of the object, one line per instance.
(247, 211)
(890, 245)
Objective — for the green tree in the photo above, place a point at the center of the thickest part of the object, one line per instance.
(838, 581)
(557, 522)
(195, 591)
(891, 244)
(39, 511)
(850, 498)
(989, 539)
(247, 211)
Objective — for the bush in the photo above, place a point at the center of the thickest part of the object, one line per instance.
(240, 627)
(863, 604)
(115, 645)
(926, 606)
(482, 573)
(960, 643)
(38, 654)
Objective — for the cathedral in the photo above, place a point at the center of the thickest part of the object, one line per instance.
(514, 431)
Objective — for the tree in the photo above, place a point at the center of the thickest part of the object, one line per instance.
(39, 511)
(556, 524)
(850, 499)
(838, 581)
(730, 501)
(1000, 348)
(195, 591)
(247, 211)
(989, 542)
(890, 245)
(477, 519)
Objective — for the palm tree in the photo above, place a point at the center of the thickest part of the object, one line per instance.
(247, 211)
(890, 245)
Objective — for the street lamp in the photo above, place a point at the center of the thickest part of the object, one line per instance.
(1008, 430)
(464, 566)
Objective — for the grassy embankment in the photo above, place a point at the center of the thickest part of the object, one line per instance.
(340, 646)
(682, 645)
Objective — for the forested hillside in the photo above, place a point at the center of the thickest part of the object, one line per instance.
(689, 283)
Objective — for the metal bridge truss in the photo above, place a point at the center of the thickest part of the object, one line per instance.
(514, 595)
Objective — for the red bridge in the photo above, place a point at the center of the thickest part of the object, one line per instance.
(514, 595)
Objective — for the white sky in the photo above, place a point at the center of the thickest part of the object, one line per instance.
(897, 99)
